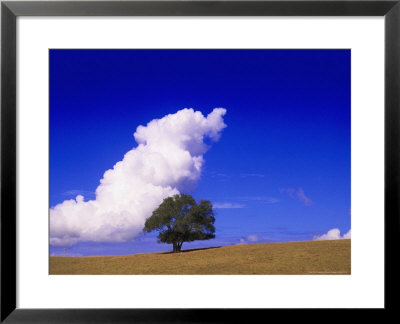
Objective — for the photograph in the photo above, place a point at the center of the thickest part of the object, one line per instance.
(199, 161)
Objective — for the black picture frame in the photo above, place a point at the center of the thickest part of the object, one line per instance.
(10, 10)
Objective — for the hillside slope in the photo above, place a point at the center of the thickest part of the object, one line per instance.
(310, 257)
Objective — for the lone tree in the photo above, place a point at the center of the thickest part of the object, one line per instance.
(180, 219)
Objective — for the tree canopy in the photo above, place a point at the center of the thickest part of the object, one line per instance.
(180, 219)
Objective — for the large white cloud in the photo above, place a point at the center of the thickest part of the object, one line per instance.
(168, 160)
(333, 234)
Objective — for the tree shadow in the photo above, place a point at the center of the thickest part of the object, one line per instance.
(191, 250)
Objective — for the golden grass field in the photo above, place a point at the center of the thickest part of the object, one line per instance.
(310, 257)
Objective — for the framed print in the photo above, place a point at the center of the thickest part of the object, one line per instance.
(215, 149)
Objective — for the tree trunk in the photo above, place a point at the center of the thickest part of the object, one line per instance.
(177, 247)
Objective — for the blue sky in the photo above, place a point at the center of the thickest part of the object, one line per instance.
(281, 168)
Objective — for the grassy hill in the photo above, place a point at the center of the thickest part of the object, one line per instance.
(311, 257)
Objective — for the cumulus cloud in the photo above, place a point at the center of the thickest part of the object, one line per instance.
(168, 160)
(347, 235)
(333, 234)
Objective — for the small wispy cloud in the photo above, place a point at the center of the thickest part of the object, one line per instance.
(249, 175)
(303, 198)
(333, 234)
(228, 205)
(289, 191)
(256, 238)
(222, 175)
(298, 194)
(252, 238)
(67, 254)
(264, 199)
(219, 175)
